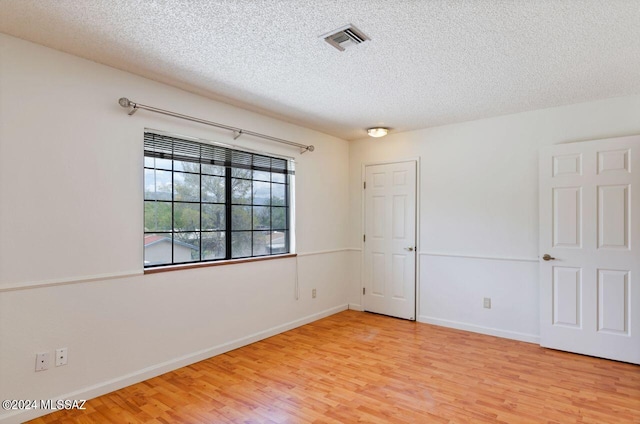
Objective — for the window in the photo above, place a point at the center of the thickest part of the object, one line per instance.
(205, 202)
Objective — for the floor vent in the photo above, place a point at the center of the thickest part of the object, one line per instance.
(344, 37)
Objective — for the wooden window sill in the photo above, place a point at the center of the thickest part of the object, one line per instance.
(216, 263)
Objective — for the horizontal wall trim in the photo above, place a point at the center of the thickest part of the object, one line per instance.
(173, 364)
(323, 252)
(356, 307)
(182, 267)
(491, 258)
(126, 274)
(505, 334)
(65, 281)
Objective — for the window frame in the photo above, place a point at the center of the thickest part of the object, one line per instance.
(247, 174)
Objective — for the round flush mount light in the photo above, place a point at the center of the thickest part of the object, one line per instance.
(377, 131)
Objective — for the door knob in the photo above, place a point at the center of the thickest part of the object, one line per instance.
(410, 249)
(548, 257)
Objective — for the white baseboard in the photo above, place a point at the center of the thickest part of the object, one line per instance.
(506, 334)
(173, 364)
(356, 307)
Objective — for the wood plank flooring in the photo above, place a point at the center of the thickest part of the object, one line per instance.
(359, 367)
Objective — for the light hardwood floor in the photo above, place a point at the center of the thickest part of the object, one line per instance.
(359, 367)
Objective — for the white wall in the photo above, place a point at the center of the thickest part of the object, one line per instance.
(479, 209)
(71, 222)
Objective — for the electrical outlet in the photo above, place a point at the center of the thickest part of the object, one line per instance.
(487, 302)
(313, 293)
(61, 356)
(42, 361)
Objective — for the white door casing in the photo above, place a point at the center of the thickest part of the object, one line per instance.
(390, 239)
(590, 227)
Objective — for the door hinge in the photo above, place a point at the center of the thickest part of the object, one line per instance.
(364, 290)
(365, 185)
(364, 237)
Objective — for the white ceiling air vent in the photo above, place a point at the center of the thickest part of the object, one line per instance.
(344, 37)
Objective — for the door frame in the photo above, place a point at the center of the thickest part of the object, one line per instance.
(416, 162)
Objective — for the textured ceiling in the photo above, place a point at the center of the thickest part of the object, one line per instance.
(428, 62)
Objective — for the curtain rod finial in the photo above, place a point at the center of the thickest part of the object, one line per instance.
(124, 102)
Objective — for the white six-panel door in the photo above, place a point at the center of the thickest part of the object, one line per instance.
(590, 230)
(390, 239)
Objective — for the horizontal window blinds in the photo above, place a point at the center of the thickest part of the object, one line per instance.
(166, 147)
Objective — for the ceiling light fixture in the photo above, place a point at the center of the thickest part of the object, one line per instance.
(377, 131)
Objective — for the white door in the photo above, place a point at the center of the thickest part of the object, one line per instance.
(390, 239)
(590, 230)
